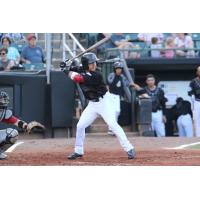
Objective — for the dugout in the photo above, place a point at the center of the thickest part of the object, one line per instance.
(175, 70)
(27, 94)
(31, 98)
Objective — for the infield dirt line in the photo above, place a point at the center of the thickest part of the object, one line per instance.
(13, 147)
(184, 146)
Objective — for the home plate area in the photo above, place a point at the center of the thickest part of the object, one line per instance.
(105, 151)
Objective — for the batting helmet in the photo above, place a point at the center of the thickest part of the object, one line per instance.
(118, 65)
(88, 58)
(4, 99)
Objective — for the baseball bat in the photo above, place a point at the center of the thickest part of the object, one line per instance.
(89, 49)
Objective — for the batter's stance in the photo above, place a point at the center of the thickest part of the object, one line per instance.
(100, 104)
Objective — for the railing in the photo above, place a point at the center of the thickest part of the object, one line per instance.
(145, 52)
(72, 53)
(66, 47)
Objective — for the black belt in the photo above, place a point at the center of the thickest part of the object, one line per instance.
(97, 99)
(197, 99)
(156, 110)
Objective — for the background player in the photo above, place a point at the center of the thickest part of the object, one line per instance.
(195, 91)
(117, 84)
(183, 114)
(158, 104)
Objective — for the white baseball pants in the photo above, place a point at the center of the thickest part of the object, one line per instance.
(116, 105)
(197, 118)
(185, 127)
(105, 109)
(157, 123)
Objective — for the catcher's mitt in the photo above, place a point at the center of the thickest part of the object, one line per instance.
(31, 126)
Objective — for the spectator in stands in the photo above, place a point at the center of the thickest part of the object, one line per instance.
(147, 37)
(155, 45)
(184, 41)
(13, 53)
(32, 53)
(169, 46)
(5, 63)
(1, 35)
(190, 45)
(16, 37)
(109, 44)
(120, 41)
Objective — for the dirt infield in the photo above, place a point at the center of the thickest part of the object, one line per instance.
(105, 150)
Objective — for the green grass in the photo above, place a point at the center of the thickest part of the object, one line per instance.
(197, 146)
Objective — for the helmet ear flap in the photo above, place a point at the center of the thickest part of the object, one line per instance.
(88, 58)
(85, 63)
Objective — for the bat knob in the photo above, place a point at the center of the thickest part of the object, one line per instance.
(62, 65)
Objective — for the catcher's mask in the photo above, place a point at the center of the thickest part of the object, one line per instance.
(4, 100)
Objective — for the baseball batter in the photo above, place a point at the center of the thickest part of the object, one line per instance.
(100, 104)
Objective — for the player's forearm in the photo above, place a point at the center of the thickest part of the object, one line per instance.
(21, 124)
(15, 121)
(76, 77)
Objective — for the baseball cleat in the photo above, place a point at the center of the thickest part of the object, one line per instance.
(74, 156)
(131, 154)
(3, 156)
(111, 133)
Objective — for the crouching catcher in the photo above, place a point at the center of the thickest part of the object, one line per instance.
(9, 136)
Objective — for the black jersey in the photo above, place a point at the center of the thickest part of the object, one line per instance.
(195, 88)
(93, 86)
(183, 108)
(117, 83)
(158, 99)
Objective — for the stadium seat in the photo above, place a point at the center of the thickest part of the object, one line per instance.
(196, 36)
(144, 52)
(19, 47)
(34, 66)
(166, 35)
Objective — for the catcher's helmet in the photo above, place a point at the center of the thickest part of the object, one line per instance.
(118, 64)
(88, 58)
(4, 99)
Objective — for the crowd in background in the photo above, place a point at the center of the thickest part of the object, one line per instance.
(10, 56)
(133, 46)
(156, 45)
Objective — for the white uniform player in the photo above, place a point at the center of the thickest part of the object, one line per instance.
(183, 114)
(100, 104)
(8, 136)
(158, 104)
(117, 84)
(195, 91)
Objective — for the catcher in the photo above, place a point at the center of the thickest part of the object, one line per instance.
(9, 136)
